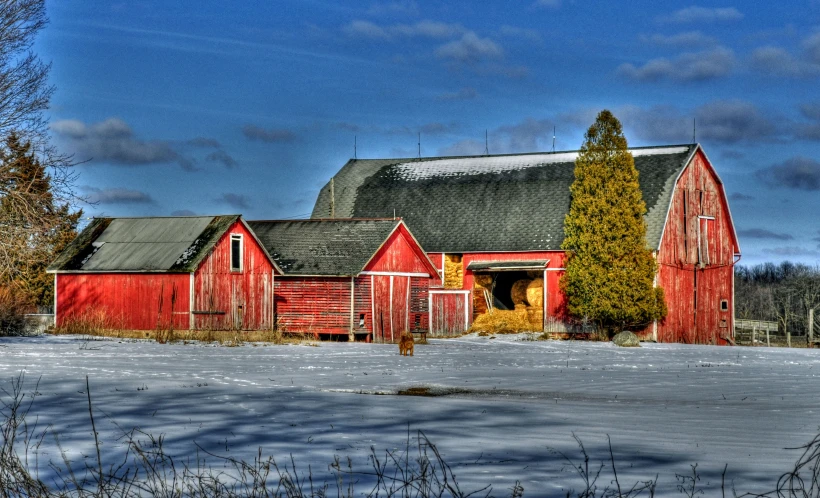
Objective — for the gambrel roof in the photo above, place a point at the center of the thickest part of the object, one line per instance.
(323, 247)
(151, 244)
(513, 202)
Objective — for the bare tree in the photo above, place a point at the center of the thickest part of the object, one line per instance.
(36, 181)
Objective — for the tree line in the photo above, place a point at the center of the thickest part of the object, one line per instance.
(38, 215)
(782, 293)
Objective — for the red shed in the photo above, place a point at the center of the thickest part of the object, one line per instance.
(366, 277)
(198, 272)
(498, 220)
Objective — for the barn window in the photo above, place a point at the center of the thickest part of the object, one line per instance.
(724, 305)
(361, 321)
(236, 252)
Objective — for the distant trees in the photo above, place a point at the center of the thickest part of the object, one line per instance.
(782, 293)
(609, 271)
(36, 181)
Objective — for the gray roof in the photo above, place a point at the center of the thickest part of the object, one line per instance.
(323, 247)
(537, 264)
(489, 203)
(173, 244)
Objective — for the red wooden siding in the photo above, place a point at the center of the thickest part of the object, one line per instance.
(382, 295)
(130, 301)
(313, 305)
(363, 304)
(696, 260)
(234, 300)
(400, 254)
(419, 313)
(448, 312)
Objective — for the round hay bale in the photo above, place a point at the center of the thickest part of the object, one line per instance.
(521, 308)
(626, 339)
(519, 291)
(483, 280)
(535, 293)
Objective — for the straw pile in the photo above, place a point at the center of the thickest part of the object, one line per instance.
(503, 322)
(453, 271)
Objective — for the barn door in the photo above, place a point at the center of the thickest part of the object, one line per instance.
(381, 308)
(237, 303)
(400, 304)
(448, 312)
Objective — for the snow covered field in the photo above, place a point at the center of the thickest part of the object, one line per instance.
(507, 406)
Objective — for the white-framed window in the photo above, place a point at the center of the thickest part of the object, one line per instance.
(237, 249)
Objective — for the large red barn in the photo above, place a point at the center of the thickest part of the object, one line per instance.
(351, 277)
(500, 218)
(198, 272)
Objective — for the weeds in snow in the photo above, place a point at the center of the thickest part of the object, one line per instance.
(416, 470)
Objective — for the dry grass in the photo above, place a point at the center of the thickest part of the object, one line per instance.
(224, 337)
(504, 322)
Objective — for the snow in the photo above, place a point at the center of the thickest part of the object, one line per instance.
(421, 170)
(506, 407)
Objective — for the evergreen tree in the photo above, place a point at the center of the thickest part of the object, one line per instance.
(35, 227)
(609, 270)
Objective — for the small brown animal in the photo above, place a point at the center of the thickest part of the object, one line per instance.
(406, 344)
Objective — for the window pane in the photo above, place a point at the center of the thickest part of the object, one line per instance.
(236, 253)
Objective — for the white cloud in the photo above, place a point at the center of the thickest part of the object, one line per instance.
(116, 196)
(700, 66)
(686, 39)
(470, 49)
(422, 29)
(703, 14)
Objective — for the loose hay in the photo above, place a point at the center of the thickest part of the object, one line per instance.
(519, 291)
(483, 280)
(503, 322)
(535, 292)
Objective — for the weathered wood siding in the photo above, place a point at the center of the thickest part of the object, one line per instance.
(229, 300)
(127, 301)
(449, 311)
(313, 305)
(399, 254)
(696, 260)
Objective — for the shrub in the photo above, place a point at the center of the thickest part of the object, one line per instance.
(13, 309)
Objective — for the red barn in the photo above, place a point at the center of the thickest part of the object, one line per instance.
(365, 277)
(198, 272)
(498, 220)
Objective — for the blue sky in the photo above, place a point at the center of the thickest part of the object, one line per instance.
(249, 107)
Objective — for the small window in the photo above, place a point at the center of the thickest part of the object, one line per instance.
(236, 252)
(724, 305)
(361, 321)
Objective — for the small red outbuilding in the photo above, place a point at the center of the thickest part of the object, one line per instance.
(198, 272)
(357, 277)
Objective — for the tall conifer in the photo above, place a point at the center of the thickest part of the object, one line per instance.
(609, 271)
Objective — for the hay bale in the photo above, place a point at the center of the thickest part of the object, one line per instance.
(453, 271)
(519, 291)
(535, 293)
(535, 274)
(626, 339)
(502, 322)
(483, 280)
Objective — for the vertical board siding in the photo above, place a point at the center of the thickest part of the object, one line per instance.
(400, 309)
(314, 305)
(234, 300)
(399, 254)
(128, 301)
(382, 332)
(448, 313)
(693, 290)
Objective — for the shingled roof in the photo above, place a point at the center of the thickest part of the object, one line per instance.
(172, 244)
(323, 247)
(489, 203)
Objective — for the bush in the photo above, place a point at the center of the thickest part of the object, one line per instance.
(13, 309)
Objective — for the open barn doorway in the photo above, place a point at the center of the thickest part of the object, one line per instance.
(508, 296)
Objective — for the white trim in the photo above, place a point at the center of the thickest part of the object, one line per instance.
(391, 308)
(55, 299)
(700, 216)
(395, 274)
(725, 198)
(240, 237)
(672, 196)
(352, 301)
(191, 303)
(554, 269)
(273, 298)
(372, 308)
(407, 308)
(449, 291)
(544, 298)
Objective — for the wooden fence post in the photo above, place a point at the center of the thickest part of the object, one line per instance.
(754, 332)
(811, 327)
(789, 339)
(768, 343)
